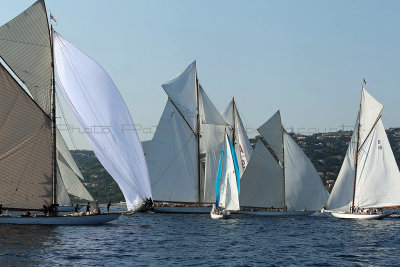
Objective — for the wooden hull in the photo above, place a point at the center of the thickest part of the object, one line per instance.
(60, 220)
(358, 216)
(277, 213)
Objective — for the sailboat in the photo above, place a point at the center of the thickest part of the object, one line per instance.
(369, 179)
(280, 179)
(227, 183)
(240, 140)
(32, 159)
(183, 155)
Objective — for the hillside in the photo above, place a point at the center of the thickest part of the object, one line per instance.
(326, 151)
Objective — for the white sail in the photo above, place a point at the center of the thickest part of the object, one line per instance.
(25, 47)
(62, 194)
(172, 154)
(229, 195)
(101, 111)
(342, 192)
(262, 181)
(378, 177)
(242, 144)
(182, 91)
(271, 131)
(25, 149)
(303, 186)
(69, 171)
(172, 159)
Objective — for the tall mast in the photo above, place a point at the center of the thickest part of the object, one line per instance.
(283, 168)
(234, 123)
(356, 160)
(53, 120)
(198, 139)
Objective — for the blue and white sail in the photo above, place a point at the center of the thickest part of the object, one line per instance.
(101, 111)
(228, 178)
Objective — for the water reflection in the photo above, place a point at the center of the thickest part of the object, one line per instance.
(25, 244)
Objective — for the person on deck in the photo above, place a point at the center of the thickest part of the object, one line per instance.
(108, 207)
(1, 206)
(76, 207)
(88, 207)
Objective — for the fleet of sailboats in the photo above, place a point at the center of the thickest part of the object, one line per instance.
(197, 155)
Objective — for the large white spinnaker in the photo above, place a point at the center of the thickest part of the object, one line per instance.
(377, 182)
(101, 111)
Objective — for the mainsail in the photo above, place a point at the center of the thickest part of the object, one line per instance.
(183, 154)
(25, 148)
(240, 139)
(101, 111)
(376, 180)
(279, 174)
(25, 47)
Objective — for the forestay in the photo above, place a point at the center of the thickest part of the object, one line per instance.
(25, 47)
(101, 111)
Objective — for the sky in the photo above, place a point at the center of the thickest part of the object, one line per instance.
(306, 58)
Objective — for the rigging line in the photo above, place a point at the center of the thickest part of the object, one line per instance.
(128, 182)
(19, 42)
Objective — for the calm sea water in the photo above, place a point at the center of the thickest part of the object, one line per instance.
(172, 239)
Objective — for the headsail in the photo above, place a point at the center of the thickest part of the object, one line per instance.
(98, 105)
(230, 179)
(25, 148)
(69, 172)
(304, 187)
(281, 175)
(25, 47)
(241, 143)
(378, 176)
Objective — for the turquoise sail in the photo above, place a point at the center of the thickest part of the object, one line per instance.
(219, 173)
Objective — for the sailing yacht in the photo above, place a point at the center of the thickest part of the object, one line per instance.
(238, 134)
(369, 179)
(183, 155)
(227, 184)
(34, 159)
(280, 179)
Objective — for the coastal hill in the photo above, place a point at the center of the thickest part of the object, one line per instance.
(326, 151)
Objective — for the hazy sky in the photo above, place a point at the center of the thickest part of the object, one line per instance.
(306, 58)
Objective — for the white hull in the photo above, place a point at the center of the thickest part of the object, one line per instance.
(358, 216)
(60, 220)
(197, 210)
(216, 216)
(277, 213)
